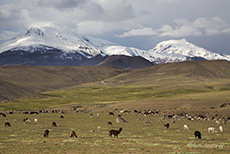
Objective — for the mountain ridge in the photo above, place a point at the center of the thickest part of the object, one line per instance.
(62, 48)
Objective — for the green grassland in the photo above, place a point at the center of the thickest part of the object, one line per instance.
(191, 87)
(184, 91)
(136, 137)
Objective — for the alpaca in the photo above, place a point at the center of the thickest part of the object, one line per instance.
(72, 134)
(185, 127)
(62, 117)
(221, 128)
(110, 123)
(197, 134)
(111, 113)
(35, 120)
(7, 124)
(115, 132)
(167, 125)
(46, 133)
(54, 124)
(211, 129)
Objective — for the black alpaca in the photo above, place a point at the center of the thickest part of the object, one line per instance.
(197, 134)
(46, 133)
(72, 134)
(111, 113)
(54, 124)
(167, 125)
(110, 123)
(7, 124)
(115, 132)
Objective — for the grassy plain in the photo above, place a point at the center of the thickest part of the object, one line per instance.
(190, 87)
(136, 137)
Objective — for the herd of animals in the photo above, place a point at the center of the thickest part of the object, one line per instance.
(119, 119)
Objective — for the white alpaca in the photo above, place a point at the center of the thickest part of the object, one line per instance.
(35, 120)
(221, 128)
(211, 129)
(27, 121)
(185, 127)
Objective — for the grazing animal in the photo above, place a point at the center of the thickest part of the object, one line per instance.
(197, 135)
(7, 124)
(46, 133)
(27, 120)
(35, 120)
(167, 125)
(221, 128)
(72, 134)
(115, 132)
(110, 123)
(91, 115)
(62, 117)
(185, 127)
(54, 124)
(3, 114)
(111, 113)
(211, 129)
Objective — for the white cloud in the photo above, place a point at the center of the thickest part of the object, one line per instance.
(138, 32)
(185, 28)
(6, 35)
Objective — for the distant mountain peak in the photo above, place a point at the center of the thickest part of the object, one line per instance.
(50, 41)
(183, 50)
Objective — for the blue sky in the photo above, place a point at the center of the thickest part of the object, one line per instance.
(135, 23)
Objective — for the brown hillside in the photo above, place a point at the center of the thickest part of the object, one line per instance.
(25, 81)
(196, 70)
(126, 62)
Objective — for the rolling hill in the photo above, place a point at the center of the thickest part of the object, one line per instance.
(192, 84)
(29, 81)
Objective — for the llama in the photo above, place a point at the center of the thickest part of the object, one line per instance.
(221, 128)
(115, 132)
(197, 135)
(46, 133)
(72, 134)
(167, 125)
(27, 121)
(7, 124)
(211, 129)
(99, 128)
(111, 113)
(185, 127)
(54, 124)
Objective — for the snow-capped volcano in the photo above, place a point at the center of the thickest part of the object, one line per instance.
(50, 37)
(52, 46)
(182, 50)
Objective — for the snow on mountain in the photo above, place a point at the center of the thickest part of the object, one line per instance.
(70, 46)
(181, 50)
(50, 37)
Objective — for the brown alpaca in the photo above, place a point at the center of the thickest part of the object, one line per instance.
(54, 124)
(72, 134)
(167, 125)
(115, 132)
(7, 124)
(46, 133)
